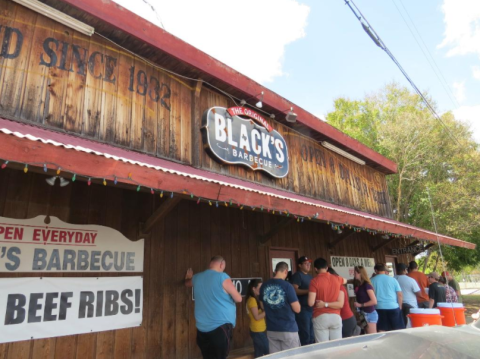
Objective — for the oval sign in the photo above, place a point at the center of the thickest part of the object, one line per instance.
(236, 140)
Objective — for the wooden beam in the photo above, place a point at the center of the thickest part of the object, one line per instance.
(383, 244)
(279, 226)
(428, 246)
(340, 238)
(160, 212)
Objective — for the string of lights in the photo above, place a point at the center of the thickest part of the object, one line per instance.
(129, 179)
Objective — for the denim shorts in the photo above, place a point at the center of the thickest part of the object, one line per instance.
(371, 317)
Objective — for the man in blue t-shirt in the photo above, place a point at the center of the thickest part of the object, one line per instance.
(389, 300)
(301, 282)
(215, 312)
(280, 303)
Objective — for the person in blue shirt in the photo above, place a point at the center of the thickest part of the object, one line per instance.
(215, 312)
(389, 300)
(301, 282)
(280, 303)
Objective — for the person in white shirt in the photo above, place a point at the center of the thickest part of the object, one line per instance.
(410, 290)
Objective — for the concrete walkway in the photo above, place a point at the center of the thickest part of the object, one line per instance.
(470, 291)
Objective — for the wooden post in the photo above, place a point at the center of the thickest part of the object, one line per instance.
(262, 239)
(160, 212)
(383, 244)
(347, 234)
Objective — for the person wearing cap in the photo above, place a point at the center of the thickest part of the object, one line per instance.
(215, 311)
(422, 281)
(389, 300)
(280, 303)
(301, 281)
(410, 290)
(436, 292)
(325, 294)
(453, 283)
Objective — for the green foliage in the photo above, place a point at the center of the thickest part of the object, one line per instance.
(396, 123)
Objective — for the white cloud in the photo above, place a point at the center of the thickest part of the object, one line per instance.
(470, 115)
(462, 27)
(459, 91)
(249, 36)
(476, 72)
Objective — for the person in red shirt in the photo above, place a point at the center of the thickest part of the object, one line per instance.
(324, 292)
(422, 280)
(349, 322)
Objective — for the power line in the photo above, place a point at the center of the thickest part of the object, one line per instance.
(378, 41)
(156, 13)
(430, 58)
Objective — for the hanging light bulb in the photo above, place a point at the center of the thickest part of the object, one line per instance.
(26, 168)
(74, 177)
(115, 181)
(104, 182)
(4, 164)
(45, 167)
(161, 194)
(152, 191)
(58, 171)
(259, 104)
(89, 182)
(171, 195)
(138, 188)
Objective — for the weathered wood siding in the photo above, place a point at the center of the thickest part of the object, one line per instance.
(57, 78)
(187, 237)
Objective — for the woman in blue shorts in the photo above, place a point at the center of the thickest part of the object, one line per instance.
(366, 299)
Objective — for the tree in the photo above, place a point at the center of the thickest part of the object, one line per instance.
(396, 123)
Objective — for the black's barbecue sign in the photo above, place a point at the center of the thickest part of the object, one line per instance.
(233, 139)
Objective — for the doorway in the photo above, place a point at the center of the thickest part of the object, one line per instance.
(287, 255)
(391, 264)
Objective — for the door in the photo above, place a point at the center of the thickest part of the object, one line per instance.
(287, 255)
(391, 264)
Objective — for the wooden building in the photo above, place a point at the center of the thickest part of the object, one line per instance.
(118, 113)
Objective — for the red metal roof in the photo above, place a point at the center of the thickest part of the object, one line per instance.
(120, 18)
(29, 144)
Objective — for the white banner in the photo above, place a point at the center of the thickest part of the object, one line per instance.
(344, 265)
(33, 308)
(31, 245)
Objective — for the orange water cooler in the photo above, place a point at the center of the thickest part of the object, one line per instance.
(453, 314)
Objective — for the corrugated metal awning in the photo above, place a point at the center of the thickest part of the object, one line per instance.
(24, 143)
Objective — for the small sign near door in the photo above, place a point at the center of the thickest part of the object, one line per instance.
(275, 261)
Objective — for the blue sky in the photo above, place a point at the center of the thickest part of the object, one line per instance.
(312, 52)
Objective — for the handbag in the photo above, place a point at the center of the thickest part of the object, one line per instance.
(362, 321)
